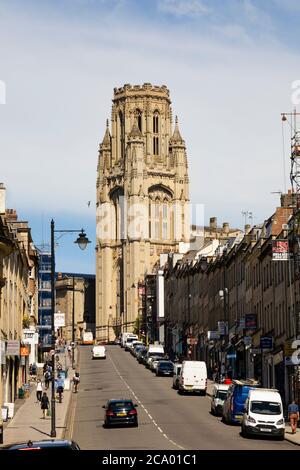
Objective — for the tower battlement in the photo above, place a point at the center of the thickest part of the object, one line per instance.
(146, 88)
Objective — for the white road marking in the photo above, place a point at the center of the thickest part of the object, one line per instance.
(144, 408)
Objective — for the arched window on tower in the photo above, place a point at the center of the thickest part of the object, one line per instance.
(139, 117)
(156, 133)
(121, 135)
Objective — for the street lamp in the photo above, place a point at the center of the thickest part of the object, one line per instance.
(82, 242)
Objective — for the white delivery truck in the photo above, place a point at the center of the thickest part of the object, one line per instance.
(154, 350)
(193, 377)
(263, 414)
(87, 337)
(125, 335)
(98, 352)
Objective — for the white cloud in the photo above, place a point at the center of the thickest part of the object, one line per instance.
(179, 8)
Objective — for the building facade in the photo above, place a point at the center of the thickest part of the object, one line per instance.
(75, 297)
(18, 302)
(238, 308)
(142, 201)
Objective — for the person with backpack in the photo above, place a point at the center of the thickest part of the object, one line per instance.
(76, 380)
(47, 377)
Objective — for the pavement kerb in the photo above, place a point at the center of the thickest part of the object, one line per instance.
(69, 420)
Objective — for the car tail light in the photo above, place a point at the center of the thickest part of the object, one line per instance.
(132, 412)
(109, 413)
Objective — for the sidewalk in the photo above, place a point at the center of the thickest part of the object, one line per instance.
(294, 438)
(28, 424)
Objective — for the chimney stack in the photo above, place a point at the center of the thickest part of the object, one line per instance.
(11, 215)
(213, 224)
(247, 228)
(2, 198)
(226, 227)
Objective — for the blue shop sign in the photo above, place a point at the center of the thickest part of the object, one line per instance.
(266, 342)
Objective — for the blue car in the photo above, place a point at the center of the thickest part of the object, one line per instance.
(234, 405)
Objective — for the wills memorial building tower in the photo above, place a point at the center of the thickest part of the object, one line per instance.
(142, 200)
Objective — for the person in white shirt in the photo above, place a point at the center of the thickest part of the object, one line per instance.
(39, 390)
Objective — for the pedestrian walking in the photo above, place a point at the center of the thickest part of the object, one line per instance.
(47, 377)
(44, 404)
(39, 390)
(293, 411)
(76, 380)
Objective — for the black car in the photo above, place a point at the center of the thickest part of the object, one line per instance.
(165, 368)
(120, 412)
(46, 444)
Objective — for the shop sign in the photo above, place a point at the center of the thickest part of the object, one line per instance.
(280, 250)
(213, 335)
(277, 358)
(2, 352)
(24, 351)
(59, 320)
(13, 348)
(241, 324)
(247, 340)
(28, 336)
(288, 347)
(251, 321)
(266, 342)
(23, 360)
(222, 327)
(255, 351)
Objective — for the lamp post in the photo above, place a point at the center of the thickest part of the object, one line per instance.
(82, 242)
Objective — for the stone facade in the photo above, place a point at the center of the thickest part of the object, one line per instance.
(254, 284)
(79, 289)
(18, 302)
(142, 200)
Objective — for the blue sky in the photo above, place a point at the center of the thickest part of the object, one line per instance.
(229, 66)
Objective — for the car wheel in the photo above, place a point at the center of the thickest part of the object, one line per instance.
(212, 411)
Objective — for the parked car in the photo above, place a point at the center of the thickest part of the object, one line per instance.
(137, 348)
(165, 368)
(153, 362)
(263, 414)
(120, 412)
(176, 374)
(234, 405)
(133, 345)
(98, 352)
(141, 357)
(219, 394)
(46, 444)
(193, 377)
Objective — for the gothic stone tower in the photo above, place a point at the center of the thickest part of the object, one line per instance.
(142, 200)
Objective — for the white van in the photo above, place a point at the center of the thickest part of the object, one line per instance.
(129, 340)
(263, 414)
(126, 335)
(98, 352)
(193, 377)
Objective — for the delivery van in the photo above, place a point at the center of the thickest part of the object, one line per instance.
(193, 377)
(234, 405)
(98, 352)
(263, 414)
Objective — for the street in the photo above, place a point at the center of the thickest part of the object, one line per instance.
(167, 420)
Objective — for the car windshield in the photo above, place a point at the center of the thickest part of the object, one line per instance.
(165, 365)
(265, 408)
(221, 394)
(121, 404)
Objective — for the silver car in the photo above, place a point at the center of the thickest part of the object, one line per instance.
(177, 369)
(219, 395)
